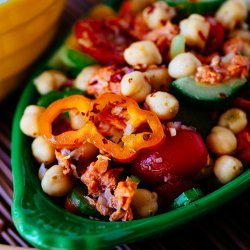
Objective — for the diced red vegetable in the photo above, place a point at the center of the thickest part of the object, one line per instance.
(182, 155)
(105, 40)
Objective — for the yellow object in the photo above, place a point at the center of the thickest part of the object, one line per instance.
(101, 11)
(26, 28)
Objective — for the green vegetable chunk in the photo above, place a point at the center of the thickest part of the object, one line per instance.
(177, 46)
(187, 197)
(196, 6)
(70, 60)
(52, 96)
(206, 93)
(78, 200)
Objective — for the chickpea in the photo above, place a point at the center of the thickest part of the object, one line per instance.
(83, 78)
(144, 203)
(29, 123)
(195, 30)
(49, 80)
(142, 52)
(86, 151)
(158, 78)
(55, 183)
(76, 119)
(221, 141)
(184, 64)
(226, 168)
(234, 119)
(139, 5)
(135, 85)
(101, 11)
(231, 13)
(158, 14)
(163, 104)
(43, 151)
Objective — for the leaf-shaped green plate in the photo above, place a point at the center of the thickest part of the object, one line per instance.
(47, 226)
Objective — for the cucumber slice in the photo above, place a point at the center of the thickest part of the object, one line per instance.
(187, 197)
(78, 200)
(205, 93)
(199, 6)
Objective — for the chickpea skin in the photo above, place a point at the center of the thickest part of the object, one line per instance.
(195, 30)
(184, 64)
(231, 13)
(83, 78)
(135, 85)
(234, 119)
(144, 203)
(142, 53)
(55, 183)
(163, 104)
(29, 122)
(226, 168)
(43, 151)
(158, 14)
(221, 141)
(49, 80)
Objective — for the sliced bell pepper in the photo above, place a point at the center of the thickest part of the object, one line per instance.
(129, 144)
(68, 138)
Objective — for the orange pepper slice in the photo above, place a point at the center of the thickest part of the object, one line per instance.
(129, 144)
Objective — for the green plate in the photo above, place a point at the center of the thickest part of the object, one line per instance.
(47, 226)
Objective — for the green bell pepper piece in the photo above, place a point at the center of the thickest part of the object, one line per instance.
(52, 96)
(70, 60)
(78, 200)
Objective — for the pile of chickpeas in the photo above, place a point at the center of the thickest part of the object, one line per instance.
(146, 88)
(222, 143)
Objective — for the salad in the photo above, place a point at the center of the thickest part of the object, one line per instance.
(144, 109)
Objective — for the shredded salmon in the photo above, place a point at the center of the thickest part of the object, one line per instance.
(98, 177)
(234, 45)
(110, 197)
(162, 36)
(64, 160)
(107, 80)
(219, 71)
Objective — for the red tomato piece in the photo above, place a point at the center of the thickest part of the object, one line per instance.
(173, 188)
(105, 40)
(215, 36)
(243, 145)
(182, 155)
(71, 207)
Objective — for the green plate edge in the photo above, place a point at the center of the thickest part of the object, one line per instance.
(48, 226)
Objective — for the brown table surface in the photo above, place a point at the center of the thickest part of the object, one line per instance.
(226, 228)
